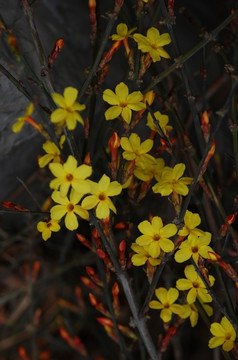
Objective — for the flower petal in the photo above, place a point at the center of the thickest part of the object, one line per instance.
(110, 97)
(71, 221)
(58, 115)
(70, 95)
(58, 100)
(113, 112)
(122, 92)
(102, 210)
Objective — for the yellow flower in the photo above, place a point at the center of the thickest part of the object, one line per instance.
(162, 120)
(122, 32)
(68, 208)
(195, 285)
(224, 334)
(153, 43)
(155, 236)
(193, 247)
(100, 197)
(135, 150)
(70, 174)
(68, 111)
(166, 303)
(46, 227)
(191, 221)
(142, 256)
(52, 154)
(191, 311)
(21, 120)
(146, 169)
(123, 102)
(172, 181)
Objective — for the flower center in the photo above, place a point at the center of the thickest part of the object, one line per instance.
(194, 249)
(102, 197)
(70, 207)
(154, 46)
(48, 224)
(156, 237)
(195, 285)
(123, 104)
(166, 305)
(69, 177)
(227, 336)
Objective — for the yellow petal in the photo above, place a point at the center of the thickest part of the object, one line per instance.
(58, 100)
(121, 91)
(102, 210)
(113, 112)
(70, 95)
(71, 221)
(110, 97)
(58, 115)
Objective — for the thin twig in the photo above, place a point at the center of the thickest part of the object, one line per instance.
(184, 72)
(191, 52)
(214, 298)
(140, 323)
(45, 73)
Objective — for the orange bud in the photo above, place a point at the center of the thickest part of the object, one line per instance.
(87, 159)
(105, 321)
(92, 299)
(35, 270)
(231, 218)
(114, 144)
(122, 246)
(208, 157)
(58, 46)
(108, 55)
(79, 297)
(90, 284)
(22, 353)
(12, 206)
(45, 355)
(213, 256)
(115, 289)
(121, 225)
(85, 241)
(92, 274)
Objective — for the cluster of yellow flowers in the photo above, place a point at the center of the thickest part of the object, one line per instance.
(74, 193)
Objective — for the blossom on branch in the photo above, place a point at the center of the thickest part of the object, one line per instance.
(155, 236)
(224, 334)
(100, 197)
(194, 246)
(68, 112)
(70, 174)
(46, 228)
(191, 221)
(122, 102)
(166, 303)
(171, 180)
(69, 208)
(195, 285)
(153, 43)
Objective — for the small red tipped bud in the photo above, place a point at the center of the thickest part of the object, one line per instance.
(59, 44)
(105, 321)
